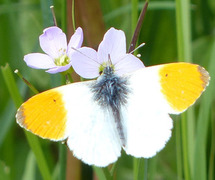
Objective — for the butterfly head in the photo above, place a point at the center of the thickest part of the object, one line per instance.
(106, 68)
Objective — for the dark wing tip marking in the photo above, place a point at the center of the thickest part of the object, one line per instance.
(20, 118)
(205, 77)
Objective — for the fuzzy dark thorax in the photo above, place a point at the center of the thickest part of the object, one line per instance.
(111, 91)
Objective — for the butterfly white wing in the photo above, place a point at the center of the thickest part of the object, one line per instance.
(156, 92)
(70, 112)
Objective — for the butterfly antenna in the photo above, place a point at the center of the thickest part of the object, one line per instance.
(109, 63)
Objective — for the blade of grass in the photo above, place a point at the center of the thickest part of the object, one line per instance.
(11, 85)
(200, 162)
(140, 168)
(8, 151)
(134, 14)
(154, 5)
(145, 174)
(8, 114)
(62, 161)
(135, 167)
(18, 7)
(30, 169)
(184, 54)
(102, 173)
(56, 172)
(152, 168)
(212, 149)
(32, 139)
(73, 14)
(63, 16)
(178, 150)
(4, 171)
(107, 173)
(46, 13)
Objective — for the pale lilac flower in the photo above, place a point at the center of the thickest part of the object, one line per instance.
(89, 64)
(58, 55)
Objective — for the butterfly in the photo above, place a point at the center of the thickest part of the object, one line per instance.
(99, 118)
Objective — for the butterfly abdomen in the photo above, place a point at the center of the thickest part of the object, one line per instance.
(111, 92)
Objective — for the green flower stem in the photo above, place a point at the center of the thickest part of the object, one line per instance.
(32, 139)
(26, 82)
(69, 79)
(53, 15)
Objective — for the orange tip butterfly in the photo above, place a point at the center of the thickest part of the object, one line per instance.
(101, 117)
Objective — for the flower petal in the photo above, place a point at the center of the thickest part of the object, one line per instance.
(39, 61)
(75, 41)
(128, 63)
(58, 69)
(113, 44)
(53, 42)
(85, 63)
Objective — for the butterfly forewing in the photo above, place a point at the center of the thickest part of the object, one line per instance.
(182, 84)
(45, 115)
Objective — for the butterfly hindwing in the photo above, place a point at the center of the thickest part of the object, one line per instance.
(146, 115)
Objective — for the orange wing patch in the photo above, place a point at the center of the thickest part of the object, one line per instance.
(182, 84)
(44, 115)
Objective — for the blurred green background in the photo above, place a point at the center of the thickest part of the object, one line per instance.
(178, 30)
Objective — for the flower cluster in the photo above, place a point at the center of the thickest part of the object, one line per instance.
(87, 62)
